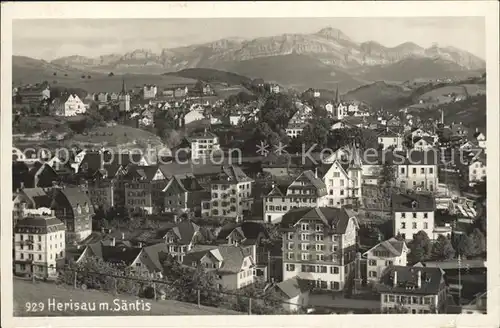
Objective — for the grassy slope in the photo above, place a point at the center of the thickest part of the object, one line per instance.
(380, 94)
(25, 291)
(121, 134)
(296, 71)
(27, 70)
(211, 75)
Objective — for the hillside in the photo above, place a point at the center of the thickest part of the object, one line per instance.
(414, 68)
(27, 70)
(211, 75)
(118, 135)
(26, 291)
(295, 71)
(329, 45)
(380, 95)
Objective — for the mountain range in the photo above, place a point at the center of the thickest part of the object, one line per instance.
(330, 53)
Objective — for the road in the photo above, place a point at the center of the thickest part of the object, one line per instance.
(341, 302)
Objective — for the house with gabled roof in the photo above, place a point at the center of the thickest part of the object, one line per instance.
(68, 105)
(416, 289)
(480, 138)
(144, 188)
(423, 143)
(342, 177)
(248, 234)
(294, 292)
(476, 168)
(30, 199)
(33, 175)
(233, 266)
(73, 207)
(231, 194)
(181, 238)
(413, 213)
(390, 139)
(184, 193)
(319, 245)
(383, 255)
(306, 190)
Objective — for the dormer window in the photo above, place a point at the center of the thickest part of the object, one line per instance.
(414, 204)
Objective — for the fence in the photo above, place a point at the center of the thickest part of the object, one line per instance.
(255, 304)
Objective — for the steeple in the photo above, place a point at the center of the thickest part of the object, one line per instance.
(123, 87)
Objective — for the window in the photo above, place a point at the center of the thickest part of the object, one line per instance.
(319, 237)
(305, 226)
(403, 215)
(334, 270)
(290, 245)
(414, 225)
(341, 182)
(290, 267)
(402, 170)
(431, 170)
(425, 215)
(290, 235)
(403, 225)
(422, 170)
(414, 215)
(39, 238)
(306, 256)
(387, 263)
(320, 247)
(291, 256)
(373, 274)
(341, 193)
(319, 227)
(304, 246)
(320, 257)
(414, 170)
(372, 262)
(39, 257)
(335, 285)
(425, 225)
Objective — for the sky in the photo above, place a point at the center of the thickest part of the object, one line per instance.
(56, 38)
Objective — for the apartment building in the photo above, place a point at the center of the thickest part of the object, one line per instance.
(233, 266)
(231, 194)
(319, 245)
(416, 170)
(203, 145)
(144, 189)
(417, 289)
(307, 190)
(383, 255)
(413, 213)
(26, 199)
(39, 241)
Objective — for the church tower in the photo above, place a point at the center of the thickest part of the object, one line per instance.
(124, 99)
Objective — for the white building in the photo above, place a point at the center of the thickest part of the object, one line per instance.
(150, 91)
(274, 88)
(39, 241)
(423, 143)
(415, 170)
(305, 191)
(69, 105)
(203, 145)
(233, 266)
(389, 139)
(413, 213)
(319, 245)
(383, 255)
(343, 178)
(477, 169)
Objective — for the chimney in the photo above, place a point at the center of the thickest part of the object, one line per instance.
(123, 236)
(419, 279)
(113, 241)
(477, 130)
(395, 278)
(53, 212)
(21, 185)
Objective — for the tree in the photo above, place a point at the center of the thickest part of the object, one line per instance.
(111, 74)
(420, 247)
(387, 175)
(83, 76)
(463, 245)
(442, 249)
(55, 74)
(478, 242)
(88, 76)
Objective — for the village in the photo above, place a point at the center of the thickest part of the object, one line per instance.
(391, 219)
